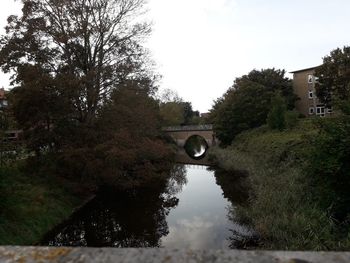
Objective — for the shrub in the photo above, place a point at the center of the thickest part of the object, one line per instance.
(276, 116)
(2, 189)
(291, 119)
(330, 166)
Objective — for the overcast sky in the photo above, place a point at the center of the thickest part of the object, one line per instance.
(201, 46)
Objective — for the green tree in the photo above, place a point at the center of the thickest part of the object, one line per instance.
(84, 89)
(172, 113)
(330, 167)
(188, 112)
(276, 116)
(174, 110)
(124, 147)
(247, 103)
(68, 57)
(330, 155)
(333, 85)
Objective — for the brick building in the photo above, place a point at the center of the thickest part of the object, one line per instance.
(304, 87)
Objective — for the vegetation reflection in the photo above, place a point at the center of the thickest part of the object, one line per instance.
(142, 222)
(235, 187)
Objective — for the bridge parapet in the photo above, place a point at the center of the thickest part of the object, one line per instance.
(141, 255)
(204, 127)
(181, 134)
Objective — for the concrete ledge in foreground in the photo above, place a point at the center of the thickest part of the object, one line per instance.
(125, 255)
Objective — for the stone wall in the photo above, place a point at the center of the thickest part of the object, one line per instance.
(45, 254)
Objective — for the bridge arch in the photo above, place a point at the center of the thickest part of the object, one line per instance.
(181, 134)
(196, 147)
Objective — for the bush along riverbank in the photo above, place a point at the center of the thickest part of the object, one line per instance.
(31, 205)
(285, 207)
(35, 198)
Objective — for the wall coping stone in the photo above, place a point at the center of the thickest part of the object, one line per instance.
(204, 127)
(148, 255)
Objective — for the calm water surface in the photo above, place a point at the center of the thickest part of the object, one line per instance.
(189, 212)
(201, 218)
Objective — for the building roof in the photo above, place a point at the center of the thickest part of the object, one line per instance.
(305, 69)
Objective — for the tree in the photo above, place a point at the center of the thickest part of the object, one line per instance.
(189, 114)
(247, 103)
(172, 113)
(276, 116)
(124, 148)
(67, 57)
(329, 167)
(333, 85)
(174, 110)
(84, 89)
(329, 162)
(168, 95)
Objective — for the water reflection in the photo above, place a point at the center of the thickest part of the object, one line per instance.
(118, 220)
(189, 210)
(200, 220)
(177, 180)
(235, 186)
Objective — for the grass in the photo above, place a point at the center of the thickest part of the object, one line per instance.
(281, 208)
(31, 206)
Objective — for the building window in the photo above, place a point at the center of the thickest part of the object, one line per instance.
(311, 94)
(320, 111)
(330, 110)
(310, 78)
(311, 110)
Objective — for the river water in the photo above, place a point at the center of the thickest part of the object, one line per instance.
(191, 211)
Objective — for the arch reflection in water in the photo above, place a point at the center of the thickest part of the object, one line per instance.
(196, 147)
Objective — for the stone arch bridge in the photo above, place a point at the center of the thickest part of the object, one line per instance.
(181, 134)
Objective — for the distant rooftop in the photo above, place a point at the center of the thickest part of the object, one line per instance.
(305, 69)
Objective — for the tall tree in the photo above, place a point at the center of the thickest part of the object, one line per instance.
(84, 87)
(330, 156)
(188, 112)
(247, 103)
(124, 147)
(68, 56)
(333, 85)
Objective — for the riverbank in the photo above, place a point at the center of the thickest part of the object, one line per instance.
(37, 196)
(281, 208)
(32, 205)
